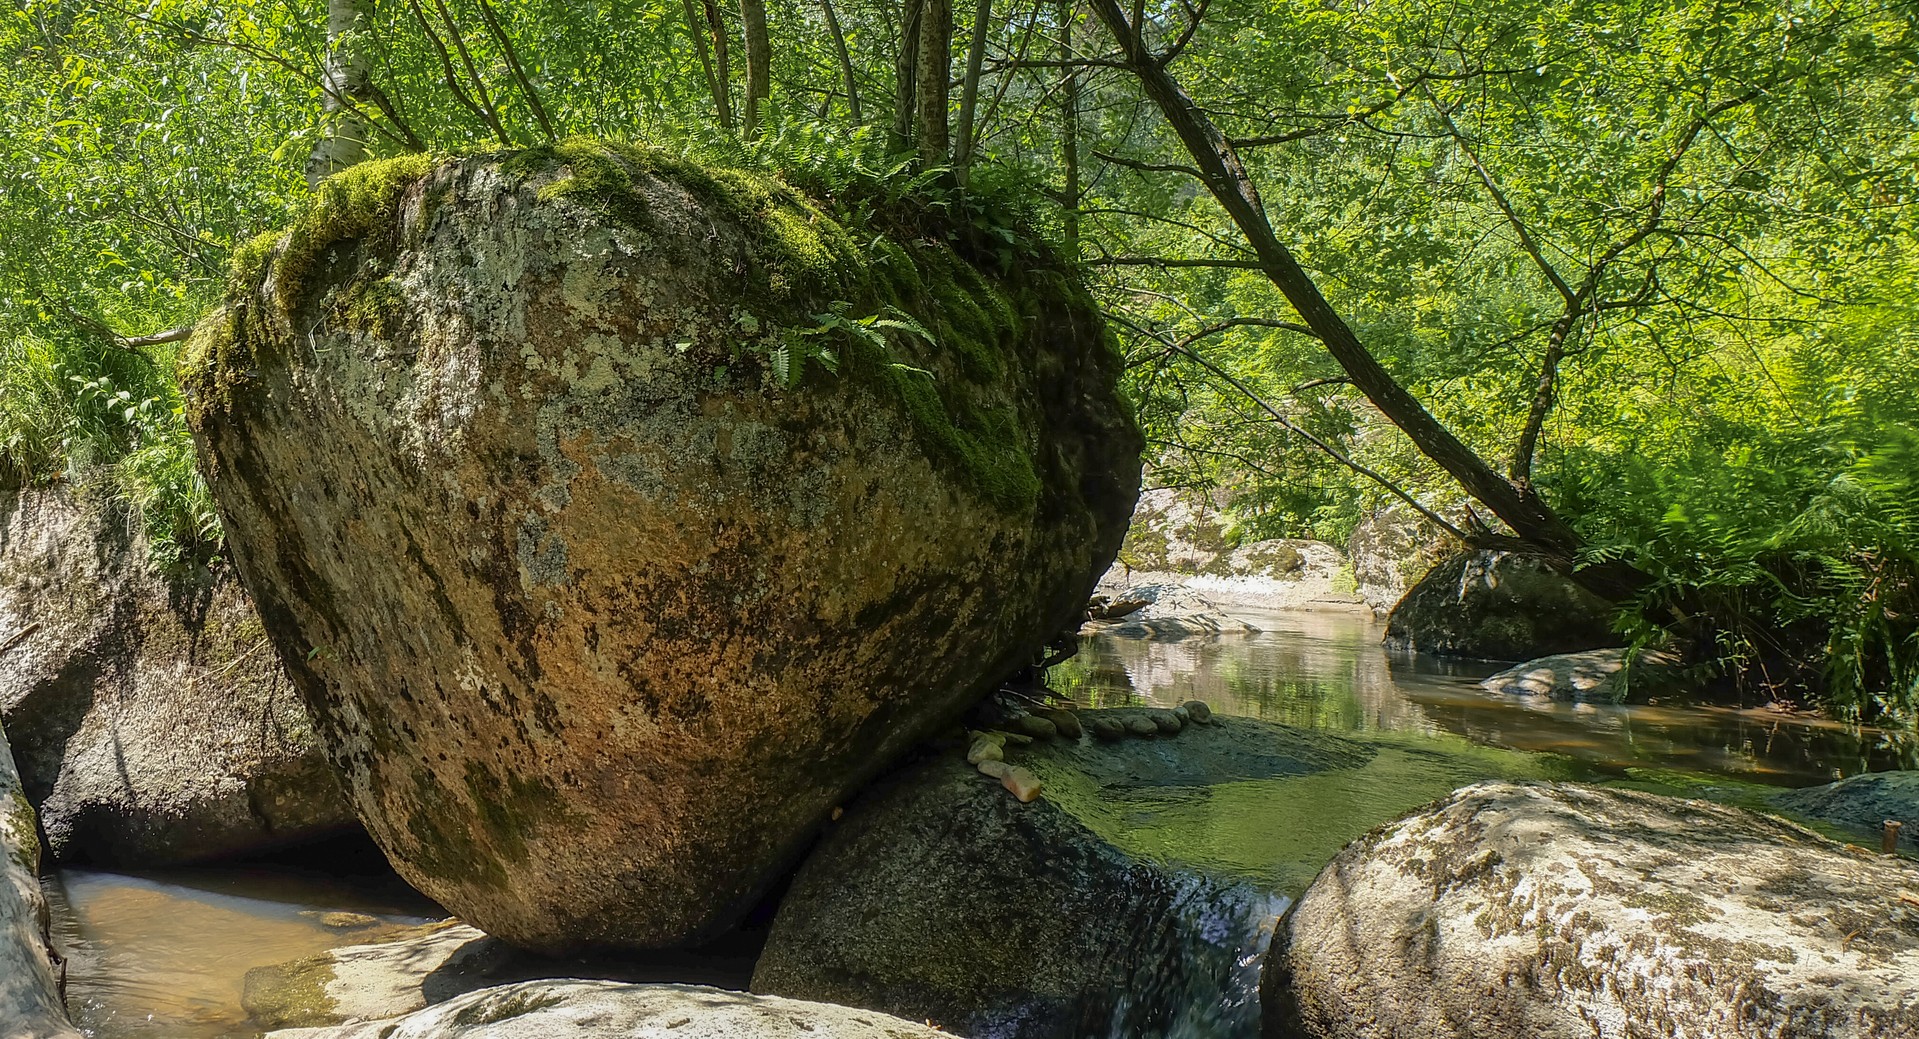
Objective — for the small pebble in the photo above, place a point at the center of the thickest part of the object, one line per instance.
(1066, 722)
(1013, 739)
(1140, 725)
(1182, 714)
(1021, 784)
(1168, 723)
(996, 769)
(985, 750)
(1198, 711)
(1035, 726)
(1106, 729)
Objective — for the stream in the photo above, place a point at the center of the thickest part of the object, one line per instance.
(164, 955)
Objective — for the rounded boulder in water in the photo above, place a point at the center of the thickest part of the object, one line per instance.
(610, 543)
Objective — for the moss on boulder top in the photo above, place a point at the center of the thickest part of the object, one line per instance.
(619, 515)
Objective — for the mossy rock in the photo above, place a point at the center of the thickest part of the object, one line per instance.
(618, 516)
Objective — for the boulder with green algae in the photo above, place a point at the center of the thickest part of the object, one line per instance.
(1863, 803)
(150, 719)
(1510, 911)
(618, 517)
(1097, 909)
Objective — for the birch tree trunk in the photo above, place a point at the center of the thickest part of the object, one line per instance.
(759, 62)
(906, 77)
(969, 89)
(347, 89)
(935, 77)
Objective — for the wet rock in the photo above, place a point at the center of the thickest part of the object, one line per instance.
(1863, 803)
(1198, 711)
(1106, 729)
(523, 463)
(1513, 911)
(1141, 725)
(1166, 721)
(1021, 784)
(1032, 725)
(30, 971)
(939, 897)
(1595, 676)
(986, 746)
(1498, 606)
(151, 721)
(611, 1010)
(995, 768)
(1065, 722)
(403, 971)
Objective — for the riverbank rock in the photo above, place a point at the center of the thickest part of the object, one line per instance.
(1181, 540)
(941, 897)
(398, 973)
(151, 721)
(1554, 911)
(1498, 606)
(618, 517)
(1390, 549)
(610, 1010)
(1595, 676)
(30, 975)
(1863, 803)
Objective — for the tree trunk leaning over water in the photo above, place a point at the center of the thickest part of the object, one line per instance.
(1536, 525)
(346, 87)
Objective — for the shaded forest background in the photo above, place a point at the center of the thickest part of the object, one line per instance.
(1626, 283)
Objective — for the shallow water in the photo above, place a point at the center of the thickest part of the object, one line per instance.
(1433, 730)
(164, 956)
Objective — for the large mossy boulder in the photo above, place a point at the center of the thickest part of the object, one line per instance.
(1098, 909)
(151, 720)
(1486, 605)
(30, 1000)
(1511, 911)
(618, 517)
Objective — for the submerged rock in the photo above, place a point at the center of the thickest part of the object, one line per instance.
(151, 719)
(30, 975)
(1595, 676)
(399, 973)
(1863, 803)
(611, 1010)
(1498, 606)
(603, 588)
(1553, 912)
(939, 897)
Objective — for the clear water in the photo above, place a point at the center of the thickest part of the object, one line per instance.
(164, 956)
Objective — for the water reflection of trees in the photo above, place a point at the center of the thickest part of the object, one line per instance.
(1328, 671)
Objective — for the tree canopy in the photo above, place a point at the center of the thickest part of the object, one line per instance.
(1628, 283)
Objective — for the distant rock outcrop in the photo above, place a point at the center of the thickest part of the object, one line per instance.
(151, 719)
(618, 517)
